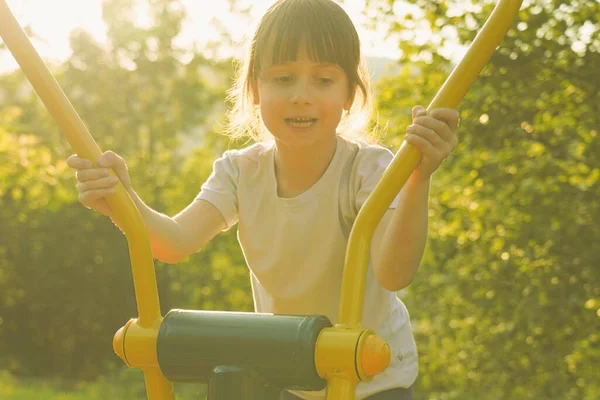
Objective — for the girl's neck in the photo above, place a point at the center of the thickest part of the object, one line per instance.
(298, 169)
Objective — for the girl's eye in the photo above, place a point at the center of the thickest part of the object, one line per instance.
(325, 81)
(283, 79)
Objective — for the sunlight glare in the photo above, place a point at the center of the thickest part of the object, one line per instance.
(52, 22)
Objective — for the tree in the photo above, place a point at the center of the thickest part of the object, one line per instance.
(510, 276)
(65, 280)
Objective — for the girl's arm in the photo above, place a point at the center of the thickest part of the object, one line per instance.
(399, 240)
(174, 238)
(171, 239)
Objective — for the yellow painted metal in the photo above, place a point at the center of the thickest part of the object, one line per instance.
(136, 345)
(336, 353)
(404, 163)
(339, 388)
(119, 342)
(80, 139)
(373, 356)
(344, 354)
(407, 159)
(157, 387)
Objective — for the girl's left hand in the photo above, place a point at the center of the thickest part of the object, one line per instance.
(434, 135)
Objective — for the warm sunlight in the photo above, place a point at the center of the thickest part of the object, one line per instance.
(54, 20)
(168, 231)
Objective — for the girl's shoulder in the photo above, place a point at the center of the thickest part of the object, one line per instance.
(253, 152)
(366, 156)
(363, 169)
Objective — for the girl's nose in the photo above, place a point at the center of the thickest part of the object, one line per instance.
(301, 94)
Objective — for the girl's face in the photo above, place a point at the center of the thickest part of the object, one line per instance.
(302, 102)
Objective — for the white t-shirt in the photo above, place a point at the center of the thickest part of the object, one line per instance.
(295, 247)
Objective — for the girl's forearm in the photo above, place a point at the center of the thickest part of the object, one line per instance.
(406, 235)
(167, 240)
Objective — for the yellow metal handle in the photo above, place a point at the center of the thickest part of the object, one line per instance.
(340, 389)
(407, 159)
(144, 277)
(80, 139)
(402, 166)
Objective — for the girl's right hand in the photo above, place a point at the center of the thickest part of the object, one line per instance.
(94, 184)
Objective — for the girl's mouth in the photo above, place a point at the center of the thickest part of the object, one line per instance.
(300, 122)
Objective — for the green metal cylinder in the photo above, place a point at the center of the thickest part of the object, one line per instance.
(278, 349)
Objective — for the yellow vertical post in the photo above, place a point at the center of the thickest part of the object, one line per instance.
(408, 156)
(402, 166)
(144, 277)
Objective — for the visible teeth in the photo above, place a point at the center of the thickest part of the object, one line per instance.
(301, 119)
(301, 124)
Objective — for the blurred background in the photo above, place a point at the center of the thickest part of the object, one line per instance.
(507, 301)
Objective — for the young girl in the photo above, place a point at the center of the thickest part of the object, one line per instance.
(295, 193)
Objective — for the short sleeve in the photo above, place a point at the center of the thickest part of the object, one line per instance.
(220, 189)
(371, 164)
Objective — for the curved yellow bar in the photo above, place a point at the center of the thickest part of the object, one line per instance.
(407, 159)
(80, 139)
(404, 163)
(144, 277)
(340, 389)
(353, 286)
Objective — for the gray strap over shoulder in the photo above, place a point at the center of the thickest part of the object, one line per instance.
(347, 199)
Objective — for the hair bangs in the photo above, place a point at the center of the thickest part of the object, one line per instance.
(307, 28)
(319, 30)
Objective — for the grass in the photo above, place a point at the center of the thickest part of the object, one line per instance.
(127, 384)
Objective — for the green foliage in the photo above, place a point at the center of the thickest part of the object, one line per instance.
(49, 284)
(511, 275)
(65, 278)
(507, 301)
